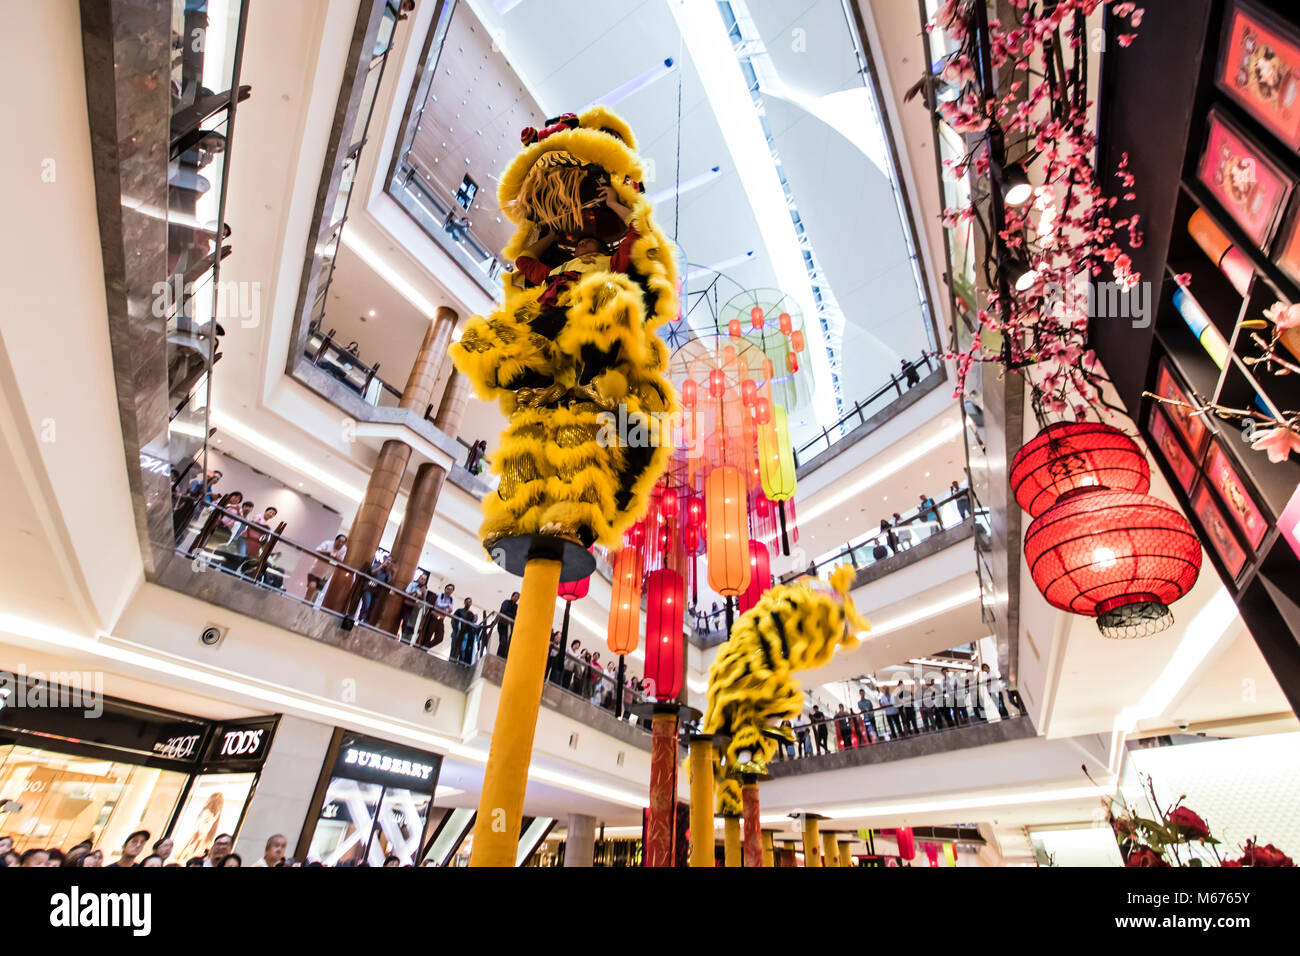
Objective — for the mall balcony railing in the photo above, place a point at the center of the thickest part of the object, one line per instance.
(344, 364)
(913, 527)
(213, 537)
(910, 376)
(922, 715)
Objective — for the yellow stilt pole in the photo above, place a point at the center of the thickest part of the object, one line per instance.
(731, 841)
(830, 847)
(846, 853)
(501, 803)
(812, 854)
(769, 851)
(701, 751)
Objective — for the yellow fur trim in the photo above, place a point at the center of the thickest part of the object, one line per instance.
(600, 117)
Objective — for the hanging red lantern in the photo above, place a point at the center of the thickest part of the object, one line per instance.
(796, 340)
(748, 392)
(733, 328)
(727, 540)
(717, 382)
(1066, 456)
(784, 321)
(762, 410)
(769, 370)
(756, 317)
(625, 602)
(574, 590)
(760, 575)
(690, 393)
(668, 506)
(791, 363)
(665, 606)
(1114, 555)
(906, 843)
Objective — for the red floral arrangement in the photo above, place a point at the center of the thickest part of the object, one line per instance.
(1153, 843)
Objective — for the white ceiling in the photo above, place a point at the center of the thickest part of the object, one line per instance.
(569, 53)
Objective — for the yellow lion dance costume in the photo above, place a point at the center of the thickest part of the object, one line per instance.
(792, 628)
(574, 337)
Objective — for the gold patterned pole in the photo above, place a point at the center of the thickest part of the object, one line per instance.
(769, 849)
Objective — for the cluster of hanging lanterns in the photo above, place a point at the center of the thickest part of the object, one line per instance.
(1099, 545)
(727, 494)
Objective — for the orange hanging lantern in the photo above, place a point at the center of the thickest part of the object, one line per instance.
(625, 602)
(717, 382)
(690, 393)
(769, 370)
(796, 340)
(760, 575)
(756, 317)
(791, 363)
(665, 606)
(733, 328)
(785, 323)
(727, 540)
(762, 410)
(748, 392)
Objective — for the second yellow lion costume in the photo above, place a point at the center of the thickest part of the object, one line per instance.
(559, 372)
(751, 688)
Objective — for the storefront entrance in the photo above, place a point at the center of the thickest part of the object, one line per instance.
(72, 773)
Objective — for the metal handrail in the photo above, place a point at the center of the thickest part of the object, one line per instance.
(860, 406)
(414, 621)
(878, 737)
(914, 516)
(362, 578)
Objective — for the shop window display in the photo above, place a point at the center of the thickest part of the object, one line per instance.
(65, 799)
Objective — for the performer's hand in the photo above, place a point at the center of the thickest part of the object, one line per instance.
(610, 198)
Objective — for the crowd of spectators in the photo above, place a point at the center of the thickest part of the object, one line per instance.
(944, 700)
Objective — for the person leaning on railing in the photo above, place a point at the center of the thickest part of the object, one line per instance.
(323, 570)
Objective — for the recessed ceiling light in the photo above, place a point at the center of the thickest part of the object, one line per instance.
(300, 484)
(927, 474)
(372, 313)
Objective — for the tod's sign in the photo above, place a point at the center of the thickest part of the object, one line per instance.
(245, 741)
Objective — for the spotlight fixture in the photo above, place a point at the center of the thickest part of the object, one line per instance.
(1019, 274)
(1016, 187)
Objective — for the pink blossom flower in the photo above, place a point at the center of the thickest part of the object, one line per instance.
(1283, 316)
(1279, 442)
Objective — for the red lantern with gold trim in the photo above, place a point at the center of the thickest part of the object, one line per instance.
(665, 606)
